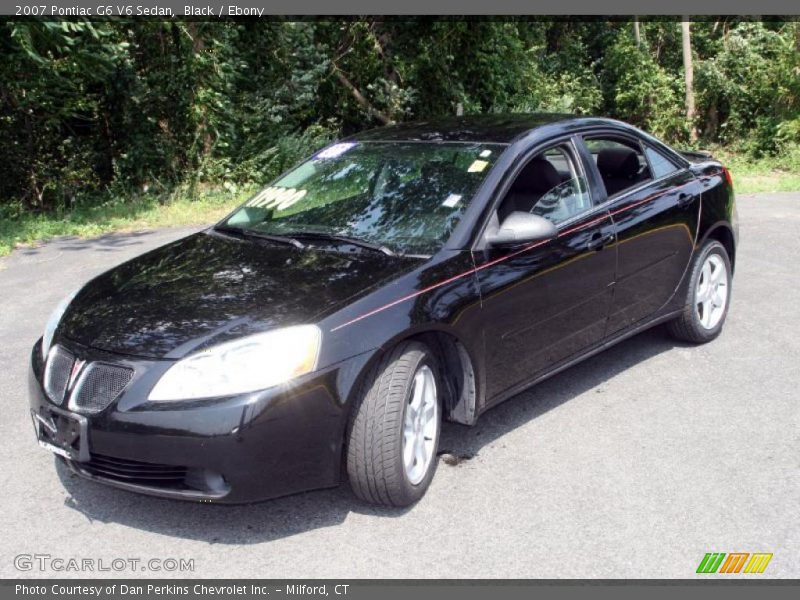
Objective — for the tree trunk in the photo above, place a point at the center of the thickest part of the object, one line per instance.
(688, 74)
(797, 36)
(360, 98)
(712, 122)
(636, 33)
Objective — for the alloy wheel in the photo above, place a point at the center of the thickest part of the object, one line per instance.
(711, 295)
(420, 426)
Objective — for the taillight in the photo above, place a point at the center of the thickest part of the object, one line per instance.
(728, 177)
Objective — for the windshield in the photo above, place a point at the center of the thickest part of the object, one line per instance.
(405, 196)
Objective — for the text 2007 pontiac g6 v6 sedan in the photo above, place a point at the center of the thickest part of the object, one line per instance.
(400, 277)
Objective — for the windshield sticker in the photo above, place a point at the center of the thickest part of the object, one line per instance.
(451, 200)
(277, 197)
(258, 198)
(477, 167)
(334, 151)
(291, 199)
(485, 154)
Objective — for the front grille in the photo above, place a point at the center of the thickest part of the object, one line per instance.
(57, 372)
(99, 385)
(135, 472)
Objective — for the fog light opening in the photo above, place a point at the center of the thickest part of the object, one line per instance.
(205, 480)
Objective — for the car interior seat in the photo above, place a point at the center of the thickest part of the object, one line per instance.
(619, 168)
(537, 178)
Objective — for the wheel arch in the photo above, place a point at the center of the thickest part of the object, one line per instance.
(458, 374)
(460, 371)
(723, 233)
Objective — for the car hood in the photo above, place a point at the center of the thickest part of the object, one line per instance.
(209, 288)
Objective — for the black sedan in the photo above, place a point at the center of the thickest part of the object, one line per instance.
(397, 278)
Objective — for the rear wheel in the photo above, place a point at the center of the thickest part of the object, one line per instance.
(394, 429)
(707, 298)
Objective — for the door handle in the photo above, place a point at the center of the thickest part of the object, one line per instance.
(598, 241)
(685, 199)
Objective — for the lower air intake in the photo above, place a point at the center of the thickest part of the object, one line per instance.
(135, 472)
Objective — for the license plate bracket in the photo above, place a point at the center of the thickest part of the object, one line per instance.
(62, 432)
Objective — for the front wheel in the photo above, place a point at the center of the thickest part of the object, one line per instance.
(707, 298)
(394, 429)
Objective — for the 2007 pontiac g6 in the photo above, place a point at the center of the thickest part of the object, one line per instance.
(400, 277)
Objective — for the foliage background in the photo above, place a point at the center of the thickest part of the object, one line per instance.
(112, 111)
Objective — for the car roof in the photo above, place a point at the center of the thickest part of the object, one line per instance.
(497, 128)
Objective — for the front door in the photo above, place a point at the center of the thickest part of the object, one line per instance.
(543, 303)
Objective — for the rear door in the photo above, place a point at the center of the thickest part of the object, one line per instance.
(654, 201)
(543, 303)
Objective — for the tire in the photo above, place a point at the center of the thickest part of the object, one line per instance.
(702, 318)
(378, 428)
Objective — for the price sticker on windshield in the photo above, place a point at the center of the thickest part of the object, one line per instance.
(478, 166)
(452, 200)
(277, 197)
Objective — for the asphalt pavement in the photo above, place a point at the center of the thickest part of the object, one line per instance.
(634, 463)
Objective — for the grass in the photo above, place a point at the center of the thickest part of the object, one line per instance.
(118, 215)
(148, 212)
(751, 176)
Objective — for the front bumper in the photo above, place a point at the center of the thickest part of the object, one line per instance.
(239, 449)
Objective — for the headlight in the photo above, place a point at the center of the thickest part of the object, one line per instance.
(52, 323)
(252, 363)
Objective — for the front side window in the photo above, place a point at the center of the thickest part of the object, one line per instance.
(405, 196)
(549, 185)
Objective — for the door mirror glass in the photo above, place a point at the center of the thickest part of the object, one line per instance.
(520, 228)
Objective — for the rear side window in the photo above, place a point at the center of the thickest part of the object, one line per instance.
(622, 164)
(659, 164)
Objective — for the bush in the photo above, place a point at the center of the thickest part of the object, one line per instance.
(117, 108)
(750, 89)
(641, 91)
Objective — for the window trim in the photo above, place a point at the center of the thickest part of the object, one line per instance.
(639, 136)
(612, 133)
(511, 173)
(609, 200)
(600, 199)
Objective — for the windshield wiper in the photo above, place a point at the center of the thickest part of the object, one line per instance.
(321, 235)
(251, 233)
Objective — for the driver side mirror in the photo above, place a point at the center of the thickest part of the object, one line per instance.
(520, 228)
